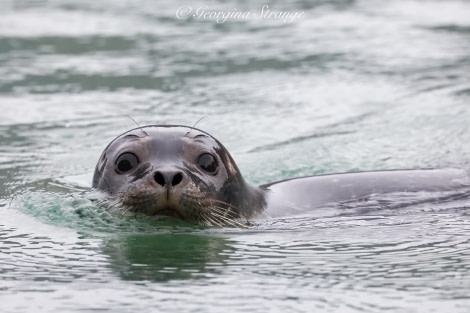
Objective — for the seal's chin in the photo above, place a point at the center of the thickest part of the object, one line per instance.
(170, 212)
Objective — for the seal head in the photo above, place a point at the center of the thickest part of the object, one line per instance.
(176, 171)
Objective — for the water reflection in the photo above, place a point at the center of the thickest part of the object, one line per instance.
(164, 257)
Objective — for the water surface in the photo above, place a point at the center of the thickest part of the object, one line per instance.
(352, 85)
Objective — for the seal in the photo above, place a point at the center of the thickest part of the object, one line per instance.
(185, 173)
(177, 171)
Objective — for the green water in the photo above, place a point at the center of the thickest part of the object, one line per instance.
(350, 85)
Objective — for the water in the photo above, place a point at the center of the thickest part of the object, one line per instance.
(351, 85)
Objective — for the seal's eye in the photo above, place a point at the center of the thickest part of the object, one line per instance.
(126, 162)
(207, 162)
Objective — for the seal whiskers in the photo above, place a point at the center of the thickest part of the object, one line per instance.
(228, 221)
(216, 212)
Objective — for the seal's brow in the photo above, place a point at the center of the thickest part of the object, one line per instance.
(201, 138)
(131, 137)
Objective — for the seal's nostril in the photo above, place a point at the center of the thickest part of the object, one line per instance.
(164, 178)
(177, 179)
(159, 178)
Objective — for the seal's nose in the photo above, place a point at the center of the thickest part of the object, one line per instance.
(167, 178)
